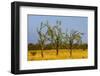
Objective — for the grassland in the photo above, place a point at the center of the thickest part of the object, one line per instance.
(51, 54)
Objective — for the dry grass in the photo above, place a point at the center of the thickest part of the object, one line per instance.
(51, 54)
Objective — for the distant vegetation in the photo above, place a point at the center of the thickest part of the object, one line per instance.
(32, 46)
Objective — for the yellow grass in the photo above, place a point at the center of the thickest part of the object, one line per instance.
(51, 54)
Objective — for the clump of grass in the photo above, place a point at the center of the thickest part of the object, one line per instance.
(33, 53)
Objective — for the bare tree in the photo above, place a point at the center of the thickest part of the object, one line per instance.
(42, 38)
(58, 35)
(50, 34)
(72, 38)
(54, 35)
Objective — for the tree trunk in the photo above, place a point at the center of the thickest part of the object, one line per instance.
(70, 52)
(57, 51)
(57, 47)
(70, 48)
(42, 52)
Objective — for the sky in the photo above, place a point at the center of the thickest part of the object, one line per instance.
(67, 23)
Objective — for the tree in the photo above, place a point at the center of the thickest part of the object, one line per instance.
(74, 37)
(50, 34)
(57, 35)
(54, 35)
(42, 38)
